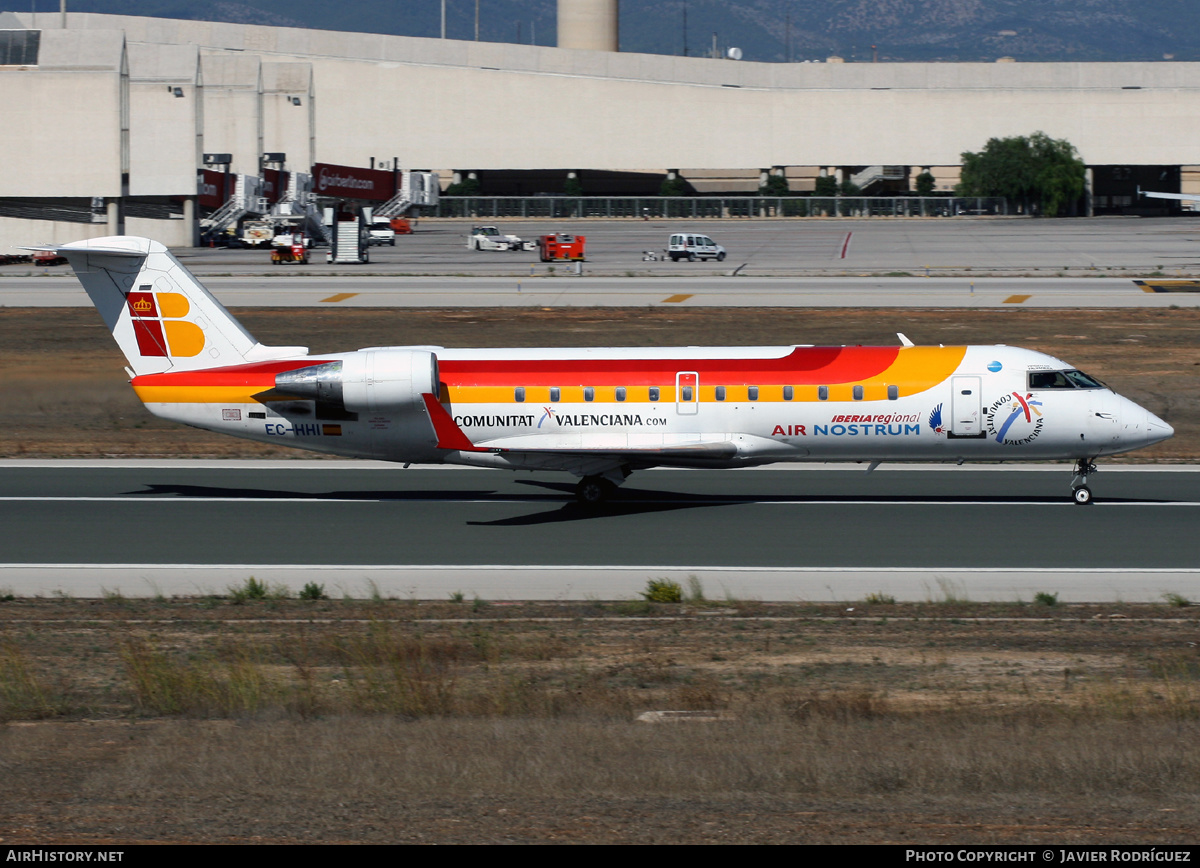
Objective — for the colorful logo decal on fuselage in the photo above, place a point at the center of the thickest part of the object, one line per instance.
(1015, 419)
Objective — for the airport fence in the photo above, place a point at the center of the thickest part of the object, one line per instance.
(698, 207)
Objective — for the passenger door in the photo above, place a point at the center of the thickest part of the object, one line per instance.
(966, 407)
(687, 393)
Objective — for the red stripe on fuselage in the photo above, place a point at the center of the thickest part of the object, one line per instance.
(253, 374)
(802, 366)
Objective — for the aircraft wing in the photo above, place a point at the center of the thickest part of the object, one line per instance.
(1180, 197)
(679, 446)
(451, 436)
(650, 448)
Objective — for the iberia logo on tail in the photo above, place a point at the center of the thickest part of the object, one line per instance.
(159, 326)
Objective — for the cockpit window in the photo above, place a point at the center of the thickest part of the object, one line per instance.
(1049, 380)
(1062, 380)
(1083, 381)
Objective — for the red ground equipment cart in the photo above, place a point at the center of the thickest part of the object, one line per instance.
(561, 248)
(294, 252)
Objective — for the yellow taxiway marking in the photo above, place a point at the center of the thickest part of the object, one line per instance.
(675, 299)
(341, 296)
(1017, 299)
(1169, 285)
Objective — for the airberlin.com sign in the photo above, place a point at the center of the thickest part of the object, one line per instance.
(350, 182)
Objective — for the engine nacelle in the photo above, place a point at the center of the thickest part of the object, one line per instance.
(371, 381)
(387, 380)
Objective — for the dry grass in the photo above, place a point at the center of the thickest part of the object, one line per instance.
(763, 755)
(285, 720)
(210, 720)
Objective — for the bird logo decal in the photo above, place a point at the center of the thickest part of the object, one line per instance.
(935, 420)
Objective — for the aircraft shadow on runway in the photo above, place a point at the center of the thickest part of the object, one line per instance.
(628, 502)
(365, 495)
(644, 501)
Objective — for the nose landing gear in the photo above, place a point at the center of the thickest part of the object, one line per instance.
(1080, 493)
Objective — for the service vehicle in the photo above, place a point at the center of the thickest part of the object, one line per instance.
(491, 238)
(692, 246)
(297, 251)
(257, 233)
(381, 232)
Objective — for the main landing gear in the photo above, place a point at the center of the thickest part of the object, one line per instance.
(1080, 493)
(594, 490)
(597, 489)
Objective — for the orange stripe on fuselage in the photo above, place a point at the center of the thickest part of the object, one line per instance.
(236, 384)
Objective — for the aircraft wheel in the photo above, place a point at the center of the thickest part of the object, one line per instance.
(1082, 495)
(594, 490)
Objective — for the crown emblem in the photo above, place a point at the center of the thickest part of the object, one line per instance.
(142, 305)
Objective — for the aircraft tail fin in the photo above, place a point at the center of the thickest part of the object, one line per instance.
(159, 313)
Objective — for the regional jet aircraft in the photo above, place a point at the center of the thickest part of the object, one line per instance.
(599, 414)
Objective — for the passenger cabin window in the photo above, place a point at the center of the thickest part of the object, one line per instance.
(858, 393)
(822, 393)
(893, 393)
(654, 393)
(720, 393)
(788, 393)
(687, 393)
(519, 394)
(555, 394)
(589, 394)
(620, 393)
(752, 393)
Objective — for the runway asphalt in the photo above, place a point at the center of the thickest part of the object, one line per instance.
(566, 291)
(783, 533)
(800, 263)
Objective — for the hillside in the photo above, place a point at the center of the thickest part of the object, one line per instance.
(765, 30)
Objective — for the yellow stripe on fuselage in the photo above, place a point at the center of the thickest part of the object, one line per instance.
(197, 394)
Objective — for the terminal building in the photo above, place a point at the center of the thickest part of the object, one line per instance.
(119, 124)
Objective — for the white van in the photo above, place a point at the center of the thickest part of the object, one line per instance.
(381, 232)
(690, 246)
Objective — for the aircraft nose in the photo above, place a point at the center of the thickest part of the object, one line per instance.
(1156, 429)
